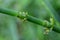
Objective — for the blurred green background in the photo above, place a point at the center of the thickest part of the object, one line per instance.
(13, 28)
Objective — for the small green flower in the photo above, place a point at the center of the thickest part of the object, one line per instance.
(22, 15)
(52, 22)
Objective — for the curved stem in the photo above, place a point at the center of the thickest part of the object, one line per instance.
(41, 22)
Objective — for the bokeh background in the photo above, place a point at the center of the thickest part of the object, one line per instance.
(13, 28)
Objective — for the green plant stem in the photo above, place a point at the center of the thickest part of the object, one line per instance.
(56, 29)
(41, 22)
(8, 11)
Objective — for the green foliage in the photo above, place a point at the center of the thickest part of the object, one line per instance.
(12, 29)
